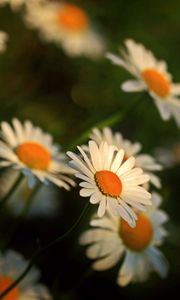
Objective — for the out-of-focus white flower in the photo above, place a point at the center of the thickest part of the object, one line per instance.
(151, 75)
(65, 24)
(143, 161)
(3, 41)
(111, 182)
(112, 239)
(169, 156)
(27, 148)
(15, 4)
(12, 264)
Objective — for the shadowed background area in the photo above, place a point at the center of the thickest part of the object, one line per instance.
(66, 97)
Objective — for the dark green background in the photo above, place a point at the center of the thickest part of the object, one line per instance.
(67, 96)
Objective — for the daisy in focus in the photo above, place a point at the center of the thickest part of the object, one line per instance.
(143, 161)
(151, 75)
(28, 149)
(110, 182)
(12, 264)
(112, 239)
(15, 4)
(3, 40)
(65, 24)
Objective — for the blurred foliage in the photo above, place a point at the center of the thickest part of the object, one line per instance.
(67, 96)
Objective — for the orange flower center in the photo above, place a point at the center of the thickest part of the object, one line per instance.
(5, 282)
(108, 183)
(73, 18)
(138, 238)
(33, 155)
(156, 82)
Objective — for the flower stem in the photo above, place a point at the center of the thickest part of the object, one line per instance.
(11, 191)
(41, 250)
(109, 121)
(23, 213)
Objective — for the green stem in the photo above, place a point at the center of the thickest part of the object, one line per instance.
(18, 280)
(11, 191)
(40, 251)
(110, 121)
(23, 214)
(30, 200)
(62, 237)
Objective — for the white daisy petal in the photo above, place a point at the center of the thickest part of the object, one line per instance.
(79, 164)
(84, 40)
(117, 161)
(103, 223)
(127, 214)
(105, 184)
(99, 250)
(83, 177)
(95, 198)
(13, 151)
(95, 155)
(95, 235)
(158, 261)
(151, 75)
(133, 86)
(86, 192)
(102, 207)
(8, 134)
(107, 262)
(86, 185)
(18, 130)
(176, 89)
(86, 159)
(126, 271)
(126, 166)
(163, 109)
(110, 238)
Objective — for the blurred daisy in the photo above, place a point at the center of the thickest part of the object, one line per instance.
(3, 41)
(29, 149)
(15, 4)
(110, 182)
(113, 239)
(45, 203)
(65, 24)
(151, 75)
(144, 161)
(12, 264)
(169, 156)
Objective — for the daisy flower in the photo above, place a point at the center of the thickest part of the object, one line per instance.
(15, 4)
(151, 75)
(169, 156)
(3, 40)
(27, 148)
(144, 161)
(65, 24)
(110, 182)
(12, 264)
(112, 239)
(46, 202)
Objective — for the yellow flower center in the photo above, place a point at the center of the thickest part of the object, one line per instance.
(73, 18)
(5, 282)
(156, 82)
(108, 183)
(138, 238)
(34, 155)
